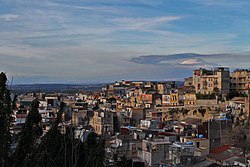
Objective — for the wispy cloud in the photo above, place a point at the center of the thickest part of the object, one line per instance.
(81, 7)
(144, 23)
(53, 4)
(9, 17)
(224, 3)
(191, 60)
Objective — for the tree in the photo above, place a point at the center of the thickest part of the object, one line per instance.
(202, 111)
(194, 112)
(5, 120)
(50, 151)
(96, 151)
(28, 136)
(120, 161)
(185, 111)
(57, 149)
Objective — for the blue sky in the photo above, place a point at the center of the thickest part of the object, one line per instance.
(79, 41)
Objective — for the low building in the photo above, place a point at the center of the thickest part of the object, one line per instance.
(188, 81)
(155, 150)
(189, 99)
(103, 122)
(127, 142)
(182, 153)
(52, 101)
(21, 115)
(201, 144)
(174, 98)
(225, 155)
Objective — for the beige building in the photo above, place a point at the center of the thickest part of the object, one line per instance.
(240, 81)
(103, 122)
(174, 99)
(188, 81)
(160, 88)
(207, 81)
(171, 99)
(190, 99)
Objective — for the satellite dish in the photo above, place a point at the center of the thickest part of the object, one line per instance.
(150, 135)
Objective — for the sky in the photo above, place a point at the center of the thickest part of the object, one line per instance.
(93, 41)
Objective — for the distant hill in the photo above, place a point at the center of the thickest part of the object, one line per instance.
(63, 88)
(48, 88)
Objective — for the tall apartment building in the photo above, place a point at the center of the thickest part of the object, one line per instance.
(240, 81)
(206, 81)
(219, 132)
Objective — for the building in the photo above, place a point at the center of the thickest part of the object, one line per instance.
(189, 99)
(146, 100)
(21, 115)
(127, 141)
(182, 153)
(209, 81)
(53, 101)
(240, 81)
(155, 150)
(138, 114)
(218, 131)
(188, 81)
(174, 98)
(201, 144)
(103, 122)
(226, 155)
(165, 87)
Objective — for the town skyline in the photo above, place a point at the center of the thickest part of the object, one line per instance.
(101, 41)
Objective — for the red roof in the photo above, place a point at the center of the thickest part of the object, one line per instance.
(224, 152)
(221, 149)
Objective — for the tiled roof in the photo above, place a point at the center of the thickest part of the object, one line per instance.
(221, 149)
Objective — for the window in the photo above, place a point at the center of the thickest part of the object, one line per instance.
(198, 144)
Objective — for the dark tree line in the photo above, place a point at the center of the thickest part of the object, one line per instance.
(53, 149)
(5, 121)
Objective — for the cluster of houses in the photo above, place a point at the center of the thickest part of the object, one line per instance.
(158, 123)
